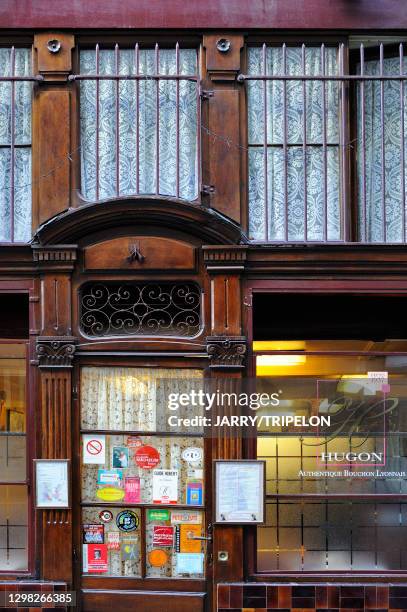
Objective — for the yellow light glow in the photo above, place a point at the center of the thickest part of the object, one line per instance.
(279, 360)
(278, 345)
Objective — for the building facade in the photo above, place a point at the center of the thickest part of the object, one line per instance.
(192, 192)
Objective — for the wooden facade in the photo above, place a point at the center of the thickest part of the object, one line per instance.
(204, 242)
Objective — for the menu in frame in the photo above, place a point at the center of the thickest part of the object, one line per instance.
(240, 492)
(52, 483)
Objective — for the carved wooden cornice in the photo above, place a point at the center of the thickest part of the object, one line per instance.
(77, 224)
(55, 352)
(60, 256)
(226, 352)
(225, 258)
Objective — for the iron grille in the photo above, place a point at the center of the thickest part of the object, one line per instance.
(140, 309)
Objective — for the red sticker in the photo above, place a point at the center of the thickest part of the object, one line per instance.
(134, 441)
(147, 457)
(163, 536)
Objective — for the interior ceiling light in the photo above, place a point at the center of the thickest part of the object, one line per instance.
(280, 360)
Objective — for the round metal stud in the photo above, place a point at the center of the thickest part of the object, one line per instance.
(223, 45)
(54, 45)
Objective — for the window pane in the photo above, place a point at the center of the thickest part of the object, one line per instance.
(348, 536)
(12, 413)
(125, 461)
(141, 125)
(13, 528)
(115, 398)
(380, 173)
(15, 129)
(110, 550)
(168, 537)
(301, 182)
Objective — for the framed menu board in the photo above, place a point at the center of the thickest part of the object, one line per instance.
(239, 492)
(52, 483)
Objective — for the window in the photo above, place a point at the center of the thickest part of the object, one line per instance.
(15, 145)
(13, 463)
(303, 155)
(317, 518)
(144, 495)
(139, 129)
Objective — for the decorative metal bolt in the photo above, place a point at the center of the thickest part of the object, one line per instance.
(54, 45)
(223, 45)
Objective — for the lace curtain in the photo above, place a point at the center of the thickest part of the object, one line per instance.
(115, 398)
(137, 123)
(15, 209)
(305, 173)
(374, 181)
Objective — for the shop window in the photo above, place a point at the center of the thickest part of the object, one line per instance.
(148, 309)
(13, 461)
(139, 129)
(336, 500)
(142, 486)
(302, 152)
(15, 145)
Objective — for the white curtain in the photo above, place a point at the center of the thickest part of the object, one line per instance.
(375, 181)
(267, 220)
(116, 398)
(21, 127)
(138, 120)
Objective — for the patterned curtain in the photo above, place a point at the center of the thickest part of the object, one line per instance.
(115, 398)
(137, 131)
(375, 182)
(22, 151)
(305, 172)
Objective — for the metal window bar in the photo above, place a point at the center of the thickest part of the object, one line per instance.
(361, 79)
(138, 77)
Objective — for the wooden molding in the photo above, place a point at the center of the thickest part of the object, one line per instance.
(223, 258)
(80, 223)
(226, 352)
(54, 352)
(61, 256)
(223, 65)
(54, 54)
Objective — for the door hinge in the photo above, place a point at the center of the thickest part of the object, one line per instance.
(207, 189)
(75, 392)
(205, 94)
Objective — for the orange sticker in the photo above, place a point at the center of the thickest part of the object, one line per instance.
(157, 557)
(187, 542)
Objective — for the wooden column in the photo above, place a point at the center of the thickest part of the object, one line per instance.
(226, 351)
(52, 152)
(55, 352)
(223, 177)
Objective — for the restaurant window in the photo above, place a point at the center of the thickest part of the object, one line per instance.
(13, 462)
(319, 115)
(15, 144)
(336, 497)
(139, 128)
(142, 482)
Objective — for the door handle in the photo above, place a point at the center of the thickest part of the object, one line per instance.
(191, 536)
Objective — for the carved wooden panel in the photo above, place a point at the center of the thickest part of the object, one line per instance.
(53, 145)
(140, 253)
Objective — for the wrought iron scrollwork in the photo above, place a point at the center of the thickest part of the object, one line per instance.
(147, 309)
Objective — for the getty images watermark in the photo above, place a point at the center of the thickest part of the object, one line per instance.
(218, 401)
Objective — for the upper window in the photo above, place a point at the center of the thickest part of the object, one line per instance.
(139, 128)
(327, 146)
(15, 145)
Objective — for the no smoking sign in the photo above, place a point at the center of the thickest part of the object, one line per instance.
(94, 449)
